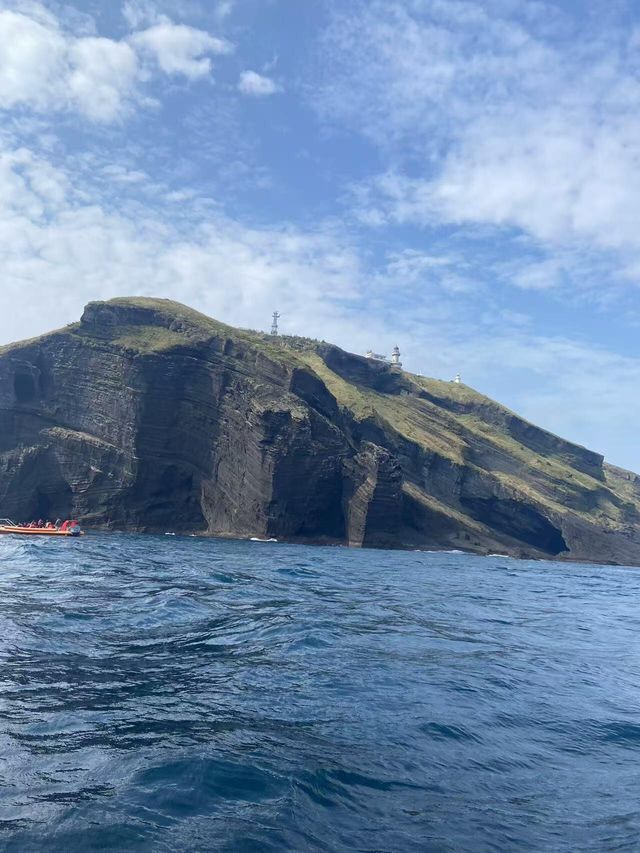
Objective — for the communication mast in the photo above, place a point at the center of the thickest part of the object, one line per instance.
(274, 325)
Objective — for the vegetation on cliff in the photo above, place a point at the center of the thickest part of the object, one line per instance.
(148, 415)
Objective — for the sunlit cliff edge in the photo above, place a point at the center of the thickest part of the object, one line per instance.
(148, 416)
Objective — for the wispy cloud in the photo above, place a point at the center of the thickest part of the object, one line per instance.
(494, 116)
(257, 85)
(74, 231)
(487, 151)
(69, 233)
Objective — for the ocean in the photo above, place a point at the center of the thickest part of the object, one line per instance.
(185, 694)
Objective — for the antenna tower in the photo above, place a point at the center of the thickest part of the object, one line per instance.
(274, 325)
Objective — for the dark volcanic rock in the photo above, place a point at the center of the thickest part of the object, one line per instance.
(373, 500)
(149, 416)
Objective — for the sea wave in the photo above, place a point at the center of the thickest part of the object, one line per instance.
(172, 693)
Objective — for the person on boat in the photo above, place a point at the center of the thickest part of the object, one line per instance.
(49, 525)
(58, 523)
(33, 525)
(65, 525)
(40, 523)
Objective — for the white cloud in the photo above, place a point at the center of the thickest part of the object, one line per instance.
(33, 61)
(488, 120)
(102, 76)
(144, 13)
(48, 68)
(558, 176)
(63, 250)
(68, 250)
(252, 83)
(30, 187)
(180, 49)
(139, 13)
(480, 123)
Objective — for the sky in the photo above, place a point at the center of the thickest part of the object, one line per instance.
(460, 178)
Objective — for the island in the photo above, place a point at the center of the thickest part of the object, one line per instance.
(148, 416)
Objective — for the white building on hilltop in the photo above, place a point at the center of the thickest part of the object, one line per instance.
(394, 360)
(376, 356)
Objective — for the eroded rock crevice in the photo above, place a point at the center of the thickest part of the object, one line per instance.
(148, 416)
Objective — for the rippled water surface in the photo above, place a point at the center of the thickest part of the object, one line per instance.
(163, 694)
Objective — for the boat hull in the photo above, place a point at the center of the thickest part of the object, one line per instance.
(38, 531)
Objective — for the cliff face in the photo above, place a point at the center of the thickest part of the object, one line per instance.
(149, 416)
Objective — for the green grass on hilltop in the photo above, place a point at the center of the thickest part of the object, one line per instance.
(174, 312)
(450, 392)
(145, 339)
(348, 395)
(460, 436)
(192, 327)
(449, 420)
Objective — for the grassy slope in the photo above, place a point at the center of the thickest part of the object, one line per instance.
(547, 479)
(454, 421)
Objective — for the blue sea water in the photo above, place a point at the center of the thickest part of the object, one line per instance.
(180, 694)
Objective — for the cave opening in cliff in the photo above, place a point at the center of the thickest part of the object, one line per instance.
(519, 521)
(43, 506)
(51, 504)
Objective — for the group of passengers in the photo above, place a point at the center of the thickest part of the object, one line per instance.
(49, 525)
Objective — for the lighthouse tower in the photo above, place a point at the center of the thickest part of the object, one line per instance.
(395, 358)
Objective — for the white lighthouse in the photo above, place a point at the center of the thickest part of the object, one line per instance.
(395, 358)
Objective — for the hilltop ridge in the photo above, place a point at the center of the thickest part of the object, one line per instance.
(147, 415)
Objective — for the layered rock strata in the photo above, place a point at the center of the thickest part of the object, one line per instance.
(147, 416)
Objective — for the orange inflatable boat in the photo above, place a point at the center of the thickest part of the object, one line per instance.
(8, 526)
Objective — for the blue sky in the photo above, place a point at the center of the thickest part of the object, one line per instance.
(461, 178)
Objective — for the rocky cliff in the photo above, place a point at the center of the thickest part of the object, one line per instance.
(149, 416)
